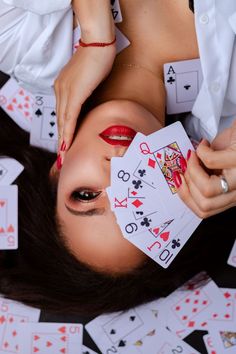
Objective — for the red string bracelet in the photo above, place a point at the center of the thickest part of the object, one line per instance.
(96, 44)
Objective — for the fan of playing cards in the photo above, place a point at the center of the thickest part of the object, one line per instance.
(144, 198)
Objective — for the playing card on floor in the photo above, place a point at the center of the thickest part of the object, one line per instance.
(10, 169)
(11, 314)
(193, 308)
(44, 123)
(160, 341)
(8, 217)
(114, 332)
(223, 337)
(232, 257)
(50, 338)
(86, 350)
(17, 103)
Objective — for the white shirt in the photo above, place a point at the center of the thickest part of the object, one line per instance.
(215, 106)
(36, 42)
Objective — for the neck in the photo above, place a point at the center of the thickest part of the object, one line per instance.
(136, 83)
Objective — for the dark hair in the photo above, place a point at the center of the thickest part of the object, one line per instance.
(43, 272)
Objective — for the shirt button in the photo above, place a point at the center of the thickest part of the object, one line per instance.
(204, 19)
(215, 87)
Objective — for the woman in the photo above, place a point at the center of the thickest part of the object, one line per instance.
(86, 229)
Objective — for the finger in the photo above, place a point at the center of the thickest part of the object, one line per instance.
(61, 116)
(216, 159)
(208, 185)
(186, 194)
(71, 115)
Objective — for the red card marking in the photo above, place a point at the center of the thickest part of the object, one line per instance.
(137, 203)
(27, 98)
(36, 337)
(49, 344)
(2, 230)
(14, 100)
(14, 333)
(151, 163)
(10, 228)
(158, 155)
(21, 92)
(36, 349)
(156, 230)
(133, 193)
(227, 295)
(62, 329)
(10, 107)
(165, 236)
(2, 319)
(2, 203)
(63, 338)
(20, 106)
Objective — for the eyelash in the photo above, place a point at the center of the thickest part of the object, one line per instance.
(74, 195)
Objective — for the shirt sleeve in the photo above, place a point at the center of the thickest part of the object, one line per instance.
(35, 47)
(40, 7)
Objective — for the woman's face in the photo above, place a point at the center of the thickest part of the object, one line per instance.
(88, 224)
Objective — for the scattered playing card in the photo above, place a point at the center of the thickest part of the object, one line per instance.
(193, 307)
(223, 337)
(44, 123)
(17, 103)
(10, 169)
(160, 341)
(113, 333)
(8, 217)
(232, 257)
(209, 344)
(183, 81)
(11, 315)
(116, 11)
(45, 338)
(86, 350)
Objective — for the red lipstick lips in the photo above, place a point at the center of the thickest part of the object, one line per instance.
(118, 135)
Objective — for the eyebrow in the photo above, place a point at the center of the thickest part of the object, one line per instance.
(90, 212)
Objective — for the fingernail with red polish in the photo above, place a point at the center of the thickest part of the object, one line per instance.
(63, 146)
(188, 154)
(59, 162)
(177, 179)
(183, 164)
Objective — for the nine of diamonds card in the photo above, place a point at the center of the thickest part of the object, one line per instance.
(144, 198)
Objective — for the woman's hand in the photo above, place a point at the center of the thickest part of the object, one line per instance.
(87, 67)
(75, 83)
(200, 186)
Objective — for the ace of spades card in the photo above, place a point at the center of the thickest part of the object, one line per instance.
(44, 123)
(8, 217)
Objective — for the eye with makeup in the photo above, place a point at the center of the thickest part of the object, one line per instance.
(84, 195)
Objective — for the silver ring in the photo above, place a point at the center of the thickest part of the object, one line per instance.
(224, 184)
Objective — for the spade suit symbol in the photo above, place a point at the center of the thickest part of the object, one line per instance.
(113, 331)
(122, 343)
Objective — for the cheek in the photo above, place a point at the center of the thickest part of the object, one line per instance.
(100, 244)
